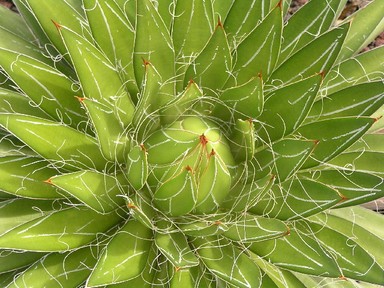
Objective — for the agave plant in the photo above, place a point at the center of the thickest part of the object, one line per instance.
(180, 143)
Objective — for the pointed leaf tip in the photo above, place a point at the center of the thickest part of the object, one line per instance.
(58, 26)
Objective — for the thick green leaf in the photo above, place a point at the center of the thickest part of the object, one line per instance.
(222, 8)
(106, 18)
(211, 224)
(145, 117)
(119, 265)
(280, 278)
(282, 158)
(369, 142)
(318, 56)
(69, 146)
(352, 259)
(63, 12)
(366, 24)
(370, 242)
(363, 68)
(358, 100)
(13, 102)
(242, 140)
(100, 192)
(12, 260)
(258, 52)
(180, 106)
(245, 191)
(298, 252)
(243, 16)
(296, 199)
(109, 132)
(285, 109)
(227, 262)
(98, 77)
(58, 270)
(137, 167)
(243, 101)
(251, 228)
(310, 21)
(15, 212)
(354, 187)
(141, 208)
(175, 248)
(334, 136)
(61, 230)
(368, 162)
(153, 43)
(191, 31)
(13, 23)
(368, 219)
(23, 176)
(210, 69)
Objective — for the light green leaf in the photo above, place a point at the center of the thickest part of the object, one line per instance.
(366, 25)
(345, 250)
(23, 176)
(191, 30)
(58, 270)
(370, 242)
(141, 208)
(100, 192)
(358, 100)
(13, 102)
(285, 109)
(153, 43)
(310, 21)
(106, 18)
(354, 187)
(175, 248)
(298, 252)
(118, 265)
(137, 167)
(280, 278)
(227, 262)
(242, 140)
(296, 199)
(245, 193)
(282, 158)
(69, 146)
(318, 56)
(244, 101)
(16, 212)
(257, 53)
(109, 132)
(211, 224)
(334, 136)
(145, 117)
(13, 23)
(177, 195)
(177, 108)
(98, 77)
(63, 12)
(11, 260)
(241, 18)
(368, 162)
(210, 69)
(61, 230)
(369, 142)
(52, 90)
(363, 68)
(252, 228)
(222, 8)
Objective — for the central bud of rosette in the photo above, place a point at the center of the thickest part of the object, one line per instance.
(189, 167)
